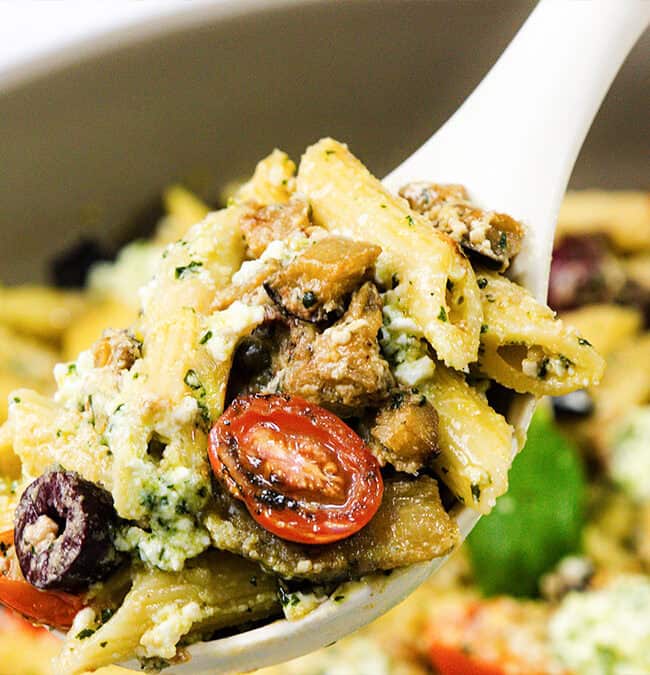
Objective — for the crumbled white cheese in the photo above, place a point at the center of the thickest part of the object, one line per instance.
(401, 341)
(41, 533)
(411, 373)
(172, 499)
(300, 604)
(605, 631)
(229, 325)
(171, 622)
(630, 459)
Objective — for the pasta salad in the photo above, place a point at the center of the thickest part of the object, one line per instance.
(316, 378)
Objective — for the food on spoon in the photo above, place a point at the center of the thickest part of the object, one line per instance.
(305, 398)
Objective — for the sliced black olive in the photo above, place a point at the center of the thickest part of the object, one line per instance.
(576, 404)
(64, 532)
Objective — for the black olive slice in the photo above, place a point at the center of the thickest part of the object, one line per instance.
(64, 532)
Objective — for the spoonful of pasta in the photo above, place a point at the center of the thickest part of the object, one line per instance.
(301, 426)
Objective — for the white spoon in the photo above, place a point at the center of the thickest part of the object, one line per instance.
(513, 143)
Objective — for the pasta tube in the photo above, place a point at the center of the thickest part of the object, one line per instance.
(525, 348)
(213, 591)
(435, 279)
(475, 441)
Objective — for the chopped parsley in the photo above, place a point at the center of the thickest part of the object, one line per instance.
(182, 271)
(191, 379)
(484, 328)
(410, 221)
(205, 337)
(85, 633)
(482, 282)
(442, 315)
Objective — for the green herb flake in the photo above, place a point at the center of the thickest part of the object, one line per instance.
(584, 343)
(330, 152)
(205, 337)
(339, 598)
(410, 221)
(442, 314)
(103, 644)
(482, 282)
(484, 328)
(16, 399)
(182, 271)
(503, 241)
(191, 379)
(72, 368)
(85, 633)
(476, 492)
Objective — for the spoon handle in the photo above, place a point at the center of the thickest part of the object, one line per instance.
(516, 138)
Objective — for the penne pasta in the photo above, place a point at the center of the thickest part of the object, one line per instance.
(434, 278)
(212, 592)
(476, 443)
(525, 348)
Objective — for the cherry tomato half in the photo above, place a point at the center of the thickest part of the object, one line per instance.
(452, 660)
(52, 608)
(303, 474)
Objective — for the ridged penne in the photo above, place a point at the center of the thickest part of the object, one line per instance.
(45, 433)
(38, 310)
(605, 326)
(476, 443)
(273, 182)
(213, 591)
(526, 348)
(192, 269)
(435, 279)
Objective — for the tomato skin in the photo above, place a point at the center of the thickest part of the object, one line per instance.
(51, 608)
(46, 607)
(451, 660)
(302, 473)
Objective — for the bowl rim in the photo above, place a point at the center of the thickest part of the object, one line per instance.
(101, 32)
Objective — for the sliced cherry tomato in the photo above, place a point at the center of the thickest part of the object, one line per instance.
(47, 607)
(452, 660)
(52, 608)
(302, 473)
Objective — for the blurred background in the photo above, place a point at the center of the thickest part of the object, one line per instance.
(104, 106)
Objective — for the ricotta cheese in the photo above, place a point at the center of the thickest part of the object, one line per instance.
(606, 631)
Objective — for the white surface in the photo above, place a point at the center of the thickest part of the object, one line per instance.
(38, 36)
